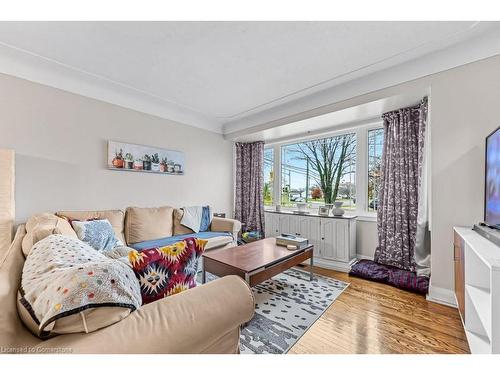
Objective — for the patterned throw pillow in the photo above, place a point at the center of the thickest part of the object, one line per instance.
(97, 233)
(164, 271)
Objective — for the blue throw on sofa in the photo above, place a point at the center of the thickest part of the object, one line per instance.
(173, 239)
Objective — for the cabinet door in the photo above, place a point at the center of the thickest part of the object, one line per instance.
(335, 239)
(294, 225)
(272, 224)
(267, 221)
(327, 238)
(309, 228)
(284, 224)
(341, 240)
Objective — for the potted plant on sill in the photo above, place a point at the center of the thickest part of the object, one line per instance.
(155, 163)
(129, 161)
(118, 159)
(138, 164)
(163, 165)
(146, 162)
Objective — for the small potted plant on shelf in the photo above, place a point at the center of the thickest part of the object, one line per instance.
(118, 159)
(170, 166)
(163, 165)
(146, 162)
(138, 164)
(155, 163)
(129, 161)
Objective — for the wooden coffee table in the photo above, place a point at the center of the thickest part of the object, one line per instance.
(255, 262)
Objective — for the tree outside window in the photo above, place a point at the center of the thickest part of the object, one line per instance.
(320, 171)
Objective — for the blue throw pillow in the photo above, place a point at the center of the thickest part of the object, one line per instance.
(97, 233)
(206, 217)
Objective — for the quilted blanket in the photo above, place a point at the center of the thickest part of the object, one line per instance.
(64, 276)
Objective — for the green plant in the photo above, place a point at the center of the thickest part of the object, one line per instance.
(155, 159)
(146, 158)
(129, 157)
(164, 161)
(119, 155)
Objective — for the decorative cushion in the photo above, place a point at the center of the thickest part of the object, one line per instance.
(164, 271)
(97, 233)
(144, 224)
(115, 217)
(178, 227)
(43, 225)
(394, 276)
(68, 287)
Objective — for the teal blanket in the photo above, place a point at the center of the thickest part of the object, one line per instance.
(173, 239)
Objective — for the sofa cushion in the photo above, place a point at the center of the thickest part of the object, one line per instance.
(88, 320)
(43, 225)
(144, 224)
(215, 242)
(97, 233)
(164, 271)
(115, 217)
(178, 227)
(173, 239)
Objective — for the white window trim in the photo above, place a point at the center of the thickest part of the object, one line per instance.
(361, 166)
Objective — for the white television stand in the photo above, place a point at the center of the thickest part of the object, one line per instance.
(477, 288)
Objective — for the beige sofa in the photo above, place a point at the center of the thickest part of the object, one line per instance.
(205, 319)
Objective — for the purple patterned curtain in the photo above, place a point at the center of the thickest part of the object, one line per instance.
(249, 197)
(402, 158)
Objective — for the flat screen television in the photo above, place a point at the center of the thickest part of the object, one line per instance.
(492, 177)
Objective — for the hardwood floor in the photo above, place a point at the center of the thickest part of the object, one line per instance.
(370, 317)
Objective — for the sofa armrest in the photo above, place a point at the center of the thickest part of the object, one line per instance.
(203, 319)
(220, 224)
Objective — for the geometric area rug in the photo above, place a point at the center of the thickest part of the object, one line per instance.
(286, 306)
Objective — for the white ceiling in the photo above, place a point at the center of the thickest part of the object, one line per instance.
(217, 75)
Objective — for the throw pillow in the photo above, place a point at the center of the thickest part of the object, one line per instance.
(97, 233)
(164, 271)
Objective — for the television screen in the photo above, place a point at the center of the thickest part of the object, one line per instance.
(492, 186)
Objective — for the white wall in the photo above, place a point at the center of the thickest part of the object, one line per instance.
(366, 238)
(60, 140)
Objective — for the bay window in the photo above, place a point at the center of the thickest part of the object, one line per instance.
(344, 166)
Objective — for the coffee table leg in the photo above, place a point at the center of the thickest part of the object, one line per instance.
(247, 278)
(311, 269)
(203, 273)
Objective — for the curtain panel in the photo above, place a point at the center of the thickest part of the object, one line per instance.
(401, 181)
(249, 196)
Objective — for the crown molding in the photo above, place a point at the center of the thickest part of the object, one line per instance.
(23, 64)
(325, 101)
(29, 66)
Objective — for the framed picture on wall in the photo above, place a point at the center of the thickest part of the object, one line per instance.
(138, 158)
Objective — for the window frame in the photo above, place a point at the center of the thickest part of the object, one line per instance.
(361, 165)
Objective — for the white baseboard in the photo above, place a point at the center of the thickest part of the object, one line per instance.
(361, 256)
(442, 296)
(334, 265)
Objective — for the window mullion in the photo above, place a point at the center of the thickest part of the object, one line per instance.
(362, 170)
(277, 175)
